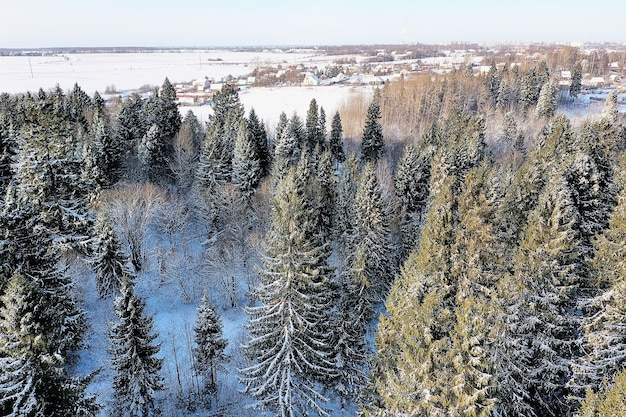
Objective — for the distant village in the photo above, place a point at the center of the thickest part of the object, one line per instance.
(376, 67)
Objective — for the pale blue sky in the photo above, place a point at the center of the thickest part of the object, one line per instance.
(47, 23)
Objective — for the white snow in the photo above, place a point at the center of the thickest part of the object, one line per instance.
(96, 71)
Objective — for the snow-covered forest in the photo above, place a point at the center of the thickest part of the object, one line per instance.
(463, 256)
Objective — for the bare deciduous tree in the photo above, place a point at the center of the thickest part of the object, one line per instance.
(132, 208)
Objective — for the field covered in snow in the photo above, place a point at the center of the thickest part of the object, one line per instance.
(128, 71)
(97, 71)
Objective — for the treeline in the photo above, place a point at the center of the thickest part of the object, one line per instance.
(500, 264)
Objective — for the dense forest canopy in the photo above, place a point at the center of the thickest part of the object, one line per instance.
(469, 263)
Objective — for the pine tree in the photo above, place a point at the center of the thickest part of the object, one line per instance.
(133, 352)
(209, 349)
(109, 262)
(336, 139)
(289, 334)
(32, 379)
(372, 144)
(247, 171)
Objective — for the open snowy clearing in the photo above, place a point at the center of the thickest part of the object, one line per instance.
(97, 71)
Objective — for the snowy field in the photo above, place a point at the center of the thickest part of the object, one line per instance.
(127, 71)
(97, 71)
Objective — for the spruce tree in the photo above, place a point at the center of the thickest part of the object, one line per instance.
(322, 129)
(289, 328)
(327, 195)
(26, 247)
(130, 124)
(546, 103)
(133, 356)
(170, 119)
(492, 82)
(32, 377)
(541, 324)
(288, 146)
(410, 373)
(575, 82)
(336, 139)
(344, 208)
(259, 138)
(372, 144)
(313, 133)
(370, 232)
(209, 348)
(246, 171)
(283, 121)
(48, 171)
(411, 190)
(7, 152)
(604, 341)
(609, 111)
(108, 150)
(608, 402)
(476, 262)
(152, 155)
(110, 263)
(356, 308)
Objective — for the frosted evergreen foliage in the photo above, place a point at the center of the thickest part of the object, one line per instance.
(32, 379)
(289, 328)
(604, 340)
(371, 231)
(133, 356)
(546, 104)
(542, 327)
(208, 351)
(372, 144)
(609, 111)
(247, 171)
(110, 263)
(336, 139)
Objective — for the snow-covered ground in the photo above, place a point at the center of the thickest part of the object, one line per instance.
(97, 71)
